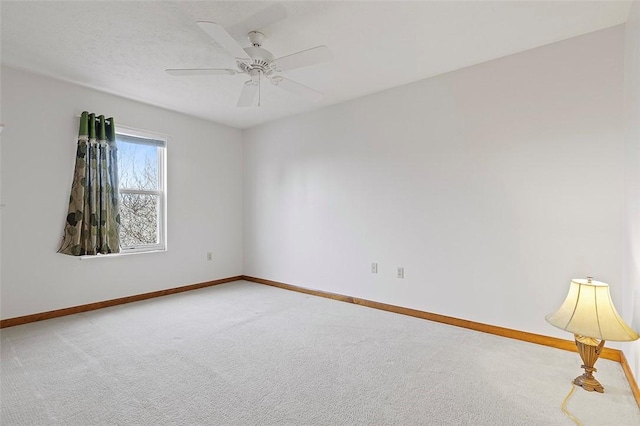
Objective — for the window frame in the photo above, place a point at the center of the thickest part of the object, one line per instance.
(161, 192)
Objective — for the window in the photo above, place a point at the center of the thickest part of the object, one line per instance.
(141, 188)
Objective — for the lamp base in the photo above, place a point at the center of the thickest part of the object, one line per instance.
(589, 352)
(588, 383)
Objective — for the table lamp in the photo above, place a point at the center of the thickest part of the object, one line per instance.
(589, 314)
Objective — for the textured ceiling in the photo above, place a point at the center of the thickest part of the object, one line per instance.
(123, 47)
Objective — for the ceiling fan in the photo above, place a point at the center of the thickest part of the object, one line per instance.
(259, 64)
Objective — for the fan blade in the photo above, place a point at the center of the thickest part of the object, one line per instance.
(315, 55)
(200, 71)
(297, 88)
(259, 20)
(247, 95)
(224, 39)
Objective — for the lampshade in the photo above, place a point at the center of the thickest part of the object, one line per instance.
(588, 311)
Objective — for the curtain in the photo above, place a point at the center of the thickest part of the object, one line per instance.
(93, 219)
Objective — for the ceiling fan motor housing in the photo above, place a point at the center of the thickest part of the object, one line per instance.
(261, 59)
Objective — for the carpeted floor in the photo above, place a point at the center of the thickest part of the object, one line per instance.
(248, 354)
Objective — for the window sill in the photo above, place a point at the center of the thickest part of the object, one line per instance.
(130, 253)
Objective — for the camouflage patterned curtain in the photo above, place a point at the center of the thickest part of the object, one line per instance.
(93, 220)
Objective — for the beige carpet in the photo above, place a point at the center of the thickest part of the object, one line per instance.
(248, 354)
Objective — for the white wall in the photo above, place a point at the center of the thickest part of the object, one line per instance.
(492, 186)
(38, 149)
(631, 273)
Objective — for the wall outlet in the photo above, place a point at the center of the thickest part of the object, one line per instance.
(374, 267)
(400, 272)
(209, 255)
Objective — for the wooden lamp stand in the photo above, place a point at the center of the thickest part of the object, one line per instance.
(589, 351)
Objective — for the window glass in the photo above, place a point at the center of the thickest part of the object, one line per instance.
(138, 219)
(137, 165)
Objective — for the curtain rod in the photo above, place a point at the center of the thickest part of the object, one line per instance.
(166, 135)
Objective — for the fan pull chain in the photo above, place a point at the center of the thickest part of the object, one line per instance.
(259, 88)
